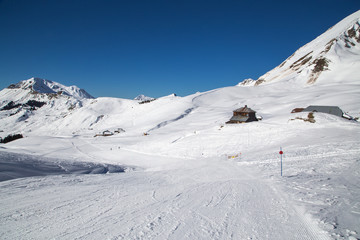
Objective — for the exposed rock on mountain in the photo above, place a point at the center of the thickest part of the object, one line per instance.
(334, 56)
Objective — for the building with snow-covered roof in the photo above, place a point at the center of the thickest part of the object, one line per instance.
(334, 110)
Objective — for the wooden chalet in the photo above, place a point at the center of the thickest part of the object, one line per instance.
(242, 115)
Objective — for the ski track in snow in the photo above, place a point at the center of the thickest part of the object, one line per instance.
(178, 204)
(164, 123)
(192, 198)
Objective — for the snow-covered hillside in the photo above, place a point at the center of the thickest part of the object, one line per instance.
(333, 57)
(188, 175)
(35, 103)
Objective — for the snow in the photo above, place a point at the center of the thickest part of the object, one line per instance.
(220, 201)
(187, 175)
(183, 184)
(46, 86)
(142, 98)
(336, 46)
(23, 165)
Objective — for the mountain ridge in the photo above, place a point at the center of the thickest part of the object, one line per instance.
(315, 61)
(39, 85)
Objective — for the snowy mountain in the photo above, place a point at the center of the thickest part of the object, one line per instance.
(38, 85)
(188, 175)
(333, 57)
(142, 98)
(37, 103)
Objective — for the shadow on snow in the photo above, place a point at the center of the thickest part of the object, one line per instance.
(13, 165)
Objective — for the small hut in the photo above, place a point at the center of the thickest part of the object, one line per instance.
(334, 110)
(242, 115)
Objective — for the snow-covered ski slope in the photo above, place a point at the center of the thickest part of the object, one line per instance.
(188, 175)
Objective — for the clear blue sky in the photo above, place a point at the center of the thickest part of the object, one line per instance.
(125, 48)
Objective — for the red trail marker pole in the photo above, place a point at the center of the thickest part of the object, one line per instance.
(281, 153)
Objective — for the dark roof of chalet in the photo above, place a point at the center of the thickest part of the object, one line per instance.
(239, 118)
(335, 110)
(244, 110)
